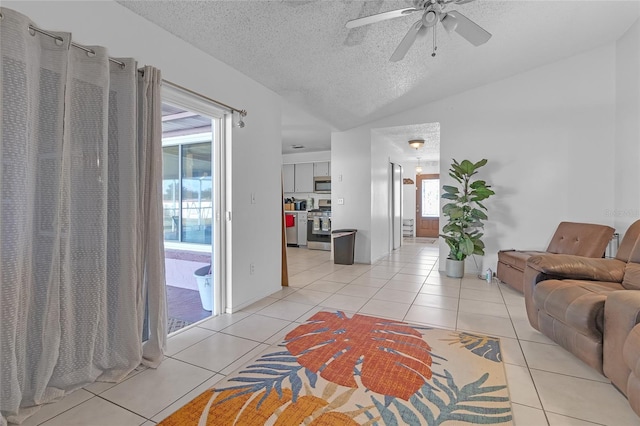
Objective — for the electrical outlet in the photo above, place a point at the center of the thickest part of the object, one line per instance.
(252, 269)
(340, 200)
(340, 177)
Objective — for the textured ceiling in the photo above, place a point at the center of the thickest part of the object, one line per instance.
(333, 78)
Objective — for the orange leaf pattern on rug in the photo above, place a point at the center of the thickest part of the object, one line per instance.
(392, 357)
(190, 413)
(261, 408)
(226, 406)
(334, 418)
(296, 412)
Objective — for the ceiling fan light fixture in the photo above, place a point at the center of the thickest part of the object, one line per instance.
(416, 143)
(429, 18)
(450, 23)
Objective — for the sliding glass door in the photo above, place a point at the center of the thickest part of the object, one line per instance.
(193, 202)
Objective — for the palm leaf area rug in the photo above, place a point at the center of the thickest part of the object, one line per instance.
(335, 370)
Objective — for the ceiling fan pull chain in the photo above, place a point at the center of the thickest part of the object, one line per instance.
(434, 42)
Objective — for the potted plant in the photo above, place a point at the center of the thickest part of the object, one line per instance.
(465, 213)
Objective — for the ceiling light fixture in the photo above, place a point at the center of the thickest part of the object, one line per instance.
(418, 167)
(416, 143)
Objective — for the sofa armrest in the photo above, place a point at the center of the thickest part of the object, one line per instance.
(564, 266)
(621, 314)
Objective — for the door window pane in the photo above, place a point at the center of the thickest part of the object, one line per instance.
(196, 193)
(186, 176)
(170, 192)
(430, 197)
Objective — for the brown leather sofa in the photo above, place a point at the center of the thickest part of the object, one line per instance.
(565, 295)
(621, 354)
(579, 239)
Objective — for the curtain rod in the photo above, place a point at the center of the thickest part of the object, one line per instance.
(58, 39)
(242, 112)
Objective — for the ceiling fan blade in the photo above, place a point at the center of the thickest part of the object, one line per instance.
(462, 1)
(407, 41)
(380, 17)
(469, 30)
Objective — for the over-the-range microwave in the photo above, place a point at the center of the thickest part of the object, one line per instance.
(322, 184)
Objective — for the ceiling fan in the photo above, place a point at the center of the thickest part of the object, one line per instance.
(433, 11)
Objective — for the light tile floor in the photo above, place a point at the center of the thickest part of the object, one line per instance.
(548, 386)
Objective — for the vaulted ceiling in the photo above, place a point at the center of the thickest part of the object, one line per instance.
(334, 78)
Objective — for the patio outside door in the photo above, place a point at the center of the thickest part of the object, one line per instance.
(427, 205)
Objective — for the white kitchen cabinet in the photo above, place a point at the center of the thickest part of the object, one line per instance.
(304, 177)
(321, 169)
(288, 178)
(302, 228)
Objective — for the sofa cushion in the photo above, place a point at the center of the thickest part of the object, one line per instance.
(576, 303)
(587, 348)
(580, 239)
(516, 258)
(627, 250)
(631, 351)
(631, 356)
(631, 280)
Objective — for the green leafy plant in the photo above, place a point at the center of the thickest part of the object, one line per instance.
(465, 212)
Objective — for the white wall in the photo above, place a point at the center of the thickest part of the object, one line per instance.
(548, 134)
(351, 180)
(256, 149)
(380, 196)
(626, 207)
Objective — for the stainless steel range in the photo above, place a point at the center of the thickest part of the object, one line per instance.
(319, 226)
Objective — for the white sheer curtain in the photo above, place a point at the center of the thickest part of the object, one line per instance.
(81, 255)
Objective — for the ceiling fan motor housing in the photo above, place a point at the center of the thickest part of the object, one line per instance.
(430, 18)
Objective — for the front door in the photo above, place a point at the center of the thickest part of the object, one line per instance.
(427, 205)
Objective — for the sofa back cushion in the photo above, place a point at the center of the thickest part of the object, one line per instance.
(631, 279)
(580, 239)
(628, 243)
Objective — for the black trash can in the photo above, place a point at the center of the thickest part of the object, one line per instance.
(344, 246)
